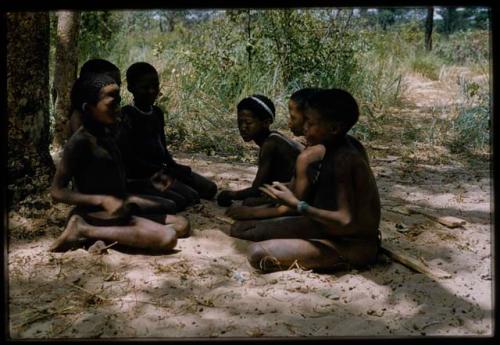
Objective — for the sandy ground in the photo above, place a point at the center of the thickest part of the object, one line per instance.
(206, 288)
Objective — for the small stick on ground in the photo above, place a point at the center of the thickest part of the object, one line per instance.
(225, 219)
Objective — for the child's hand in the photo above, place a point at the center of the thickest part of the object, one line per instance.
(225, 198)
(161, 181)
(280, 192)
(239, 212)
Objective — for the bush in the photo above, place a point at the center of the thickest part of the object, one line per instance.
(465, 47)
(471, 129)
(427, 65)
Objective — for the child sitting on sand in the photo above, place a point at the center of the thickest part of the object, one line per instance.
(104, 210)
(338, 220)
(144, 147)
(277, 153)
(306, 167)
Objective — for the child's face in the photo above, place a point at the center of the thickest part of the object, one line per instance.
(316, 130)
(296, 121)
(249, 125)
(146, 89)
(107, 109)
(116, 76)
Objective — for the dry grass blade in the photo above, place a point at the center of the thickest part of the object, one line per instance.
(89, 292)
(41, 315)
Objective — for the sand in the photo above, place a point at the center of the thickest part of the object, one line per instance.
(206, 288)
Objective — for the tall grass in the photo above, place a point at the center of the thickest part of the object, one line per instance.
(471, 128)
(205, 68)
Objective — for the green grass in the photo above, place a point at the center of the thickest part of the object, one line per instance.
(204, 72)
(428, 65)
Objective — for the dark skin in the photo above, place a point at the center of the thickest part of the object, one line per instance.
(300, 182)
(274, 158)
(321, 238)
(99, 163)
(75, 120)
(181, 185)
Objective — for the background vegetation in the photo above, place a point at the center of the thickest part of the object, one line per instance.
(209, 60)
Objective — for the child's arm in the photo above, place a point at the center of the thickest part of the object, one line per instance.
(298, 185)
(131, 152)
(338, 222)
(169, 159)
(307, 157)
(263, 172)
(248, 212)
(64, 172)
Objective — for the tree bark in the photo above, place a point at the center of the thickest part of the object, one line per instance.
(65, 71)
(429, 23)
(30, 167)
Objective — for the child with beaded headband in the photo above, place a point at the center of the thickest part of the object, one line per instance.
(277, 153)
(337, 223)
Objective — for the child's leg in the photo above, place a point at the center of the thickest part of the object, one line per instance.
(180, 224)
(282, 227)
(151, 204)
(140, 233)
(280, 254)
(205, 188)
(189, 194)
(145, 187)
(259, 201)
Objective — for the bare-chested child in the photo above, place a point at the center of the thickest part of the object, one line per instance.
(296, 106)
(144, 147)
(339, 218)
(306, 167)
(98, 66)
(277, 153)
(104, 210)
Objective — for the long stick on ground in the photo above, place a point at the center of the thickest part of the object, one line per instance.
(415, 264)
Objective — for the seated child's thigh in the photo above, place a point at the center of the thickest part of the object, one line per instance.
(285, 227)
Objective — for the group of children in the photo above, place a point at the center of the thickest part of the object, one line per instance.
(316, 205)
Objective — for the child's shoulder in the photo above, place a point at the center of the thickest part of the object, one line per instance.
(127, 108)
(80, 139)
(278, 139)
(312, 154)
(347, 153)
(157, 109)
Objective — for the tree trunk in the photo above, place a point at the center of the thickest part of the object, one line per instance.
(30, 167)
(429, 23)
(65, 71)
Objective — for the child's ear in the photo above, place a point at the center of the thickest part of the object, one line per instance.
(267, 122)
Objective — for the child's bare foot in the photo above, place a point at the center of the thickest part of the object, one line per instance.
(70, 237)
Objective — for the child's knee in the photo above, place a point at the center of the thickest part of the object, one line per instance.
(210, 191)
(180, 224)
(236, 229)
(168, 240)
(255, 255)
